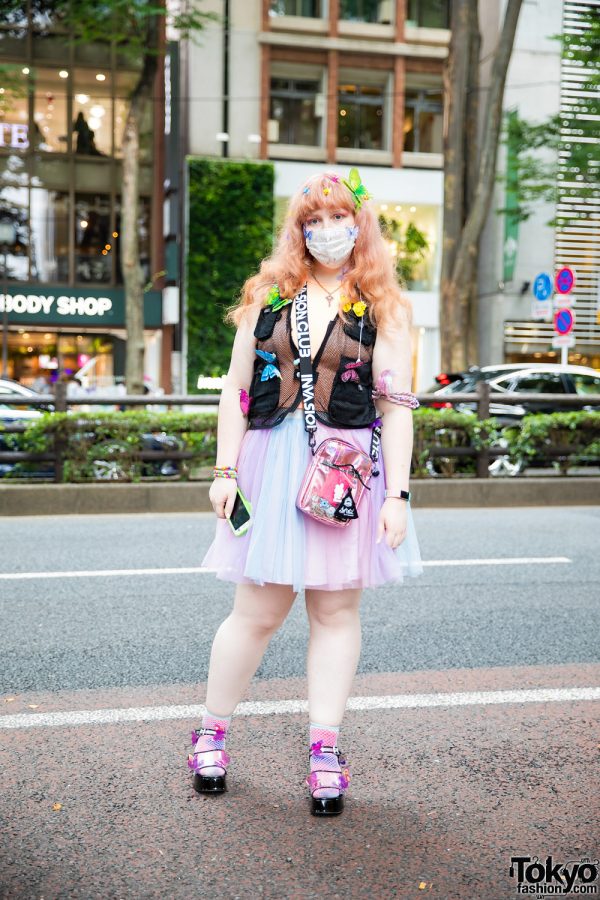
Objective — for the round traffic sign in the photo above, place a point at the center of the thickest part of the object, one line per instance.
(542, 286)
(563, 321)
(564, 281)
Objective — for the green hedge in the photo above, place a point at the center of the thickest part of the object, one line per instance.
(117, 436)
(230, 231)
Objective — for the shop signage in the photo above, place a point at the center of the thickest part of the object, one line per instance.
(64, 307)
(13, 135)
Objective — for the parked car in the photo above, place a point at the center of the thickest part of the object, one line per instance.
(12, 389)
(466, 381)
(546, 378)
(543, 378)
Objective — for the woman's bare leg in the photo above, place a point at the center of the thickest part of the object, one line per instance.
(241, 640)
(333, 651)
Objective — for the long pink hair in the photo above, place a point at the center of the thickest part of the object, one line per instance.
(370, 267)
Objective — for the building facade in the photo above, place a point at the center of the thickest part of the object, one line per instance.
(62, 113)
(540, 84)
(310, 84)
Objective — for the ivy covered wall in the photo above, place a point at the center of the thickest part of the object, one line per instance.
(230, 230)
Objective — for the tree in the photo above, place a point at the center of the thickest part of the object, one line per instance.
(135, 28)
(469, 172)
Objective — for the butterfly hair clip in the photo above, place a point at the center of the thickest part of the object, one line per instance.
(357, 188)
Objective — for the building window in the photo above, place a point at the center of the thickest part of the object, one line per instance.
(428, 13)
(50, 126)
(92, 114)
(361, 116)
(423, 119)
(312, 9)
(49, 236)
(14, 111)
(376, 11)
(93, 239)
(296, 111)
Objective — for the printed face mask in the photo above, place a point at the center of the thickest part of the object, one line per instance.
(331, 246)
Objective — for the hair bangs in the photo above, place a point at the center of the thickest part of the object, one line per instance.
(325, 191)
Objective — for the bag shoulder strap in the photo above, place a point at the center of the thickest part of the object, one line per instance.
(307, 380)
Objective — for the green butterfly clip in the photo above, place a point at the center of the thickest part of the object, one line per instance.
(275, 300)
(355, 185)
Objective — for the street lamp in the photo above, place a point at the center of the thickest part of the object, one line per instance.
(7, 239)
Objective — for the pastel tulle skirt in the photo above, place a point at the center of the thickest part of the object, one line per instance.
(283, 545)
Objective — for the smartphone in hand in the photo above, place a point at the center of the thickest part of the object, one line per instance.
(240, 519)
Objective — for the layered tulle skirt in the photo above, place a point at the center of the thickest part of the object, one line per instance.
(283, 545)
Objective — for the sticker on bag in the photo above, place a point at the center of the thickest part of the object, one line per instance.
(347, 508)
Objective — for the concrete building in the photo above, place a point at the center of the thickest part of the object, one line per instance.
(308, 84)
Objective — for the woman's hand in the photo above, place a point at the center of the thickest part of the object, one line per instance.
(392, 522)
(222, 496)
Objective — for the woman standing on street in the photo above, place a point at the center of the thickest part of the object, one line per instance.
(331, 264)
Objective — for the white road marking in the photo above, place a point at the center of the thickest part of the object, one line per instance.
(283, 707)
(197, 570)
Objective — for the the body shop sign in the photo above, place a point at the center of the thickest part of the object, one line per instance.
(78, 307)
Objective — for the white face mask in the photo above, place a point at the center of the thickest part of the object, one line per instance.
(331, 246)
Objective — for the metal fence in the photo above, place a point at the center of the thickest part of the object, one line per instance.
(482, 397)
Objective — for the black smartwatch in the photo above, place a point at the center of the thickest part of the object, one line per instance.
(403, 495)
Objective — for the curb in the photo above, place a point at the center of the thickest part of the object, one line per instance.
(187, 497)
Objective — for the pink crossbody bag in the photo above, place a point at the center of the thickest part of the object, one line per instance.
(339, 472)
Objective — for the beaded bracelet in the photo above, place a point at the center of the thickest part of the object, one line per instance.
(406, 398)
(225, 472)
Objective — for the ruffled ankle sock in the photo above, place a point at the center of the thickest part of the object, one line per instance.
(213, 742)
(324, 762)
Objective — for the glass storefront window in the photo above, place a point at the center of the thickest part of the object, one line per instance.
(412, 234)
(49, 236)
(375, 11)
(14, 110)
(14, 216)
(429, 13)
(311, 8)
(92, 113)
(294, 112)
(94, 244)
(361, 116)
(50, 131)
(423, 120)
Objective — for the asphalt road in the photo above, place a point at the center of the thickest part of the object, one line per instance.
(457, 787)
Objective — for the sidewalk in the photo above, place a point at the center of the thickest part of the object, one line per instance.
(192, 496)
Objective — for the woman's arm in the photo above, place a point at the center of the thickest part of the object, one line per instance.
(232, 423)
(393, 352)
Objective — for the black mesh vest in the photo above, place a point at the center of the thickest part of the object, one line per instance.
(339, 402)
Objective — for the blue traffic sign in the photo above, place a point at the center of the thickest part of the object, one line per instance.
(564, 281)
(542, 286)
(563, 321)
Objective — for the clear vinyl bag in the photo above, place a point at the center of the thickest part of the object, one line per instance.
(334, 483)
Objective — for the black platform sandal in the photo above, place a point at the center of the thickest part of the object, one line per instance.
(204, 759)
(327, 806)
